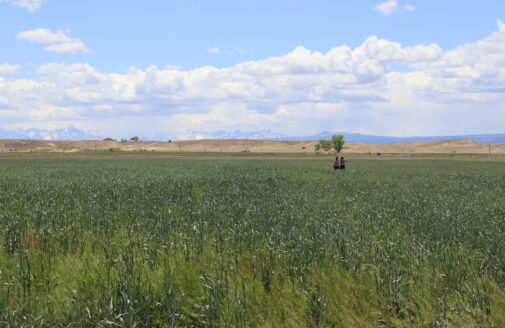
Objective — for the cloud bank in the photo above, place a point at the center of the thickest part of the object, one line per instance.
(380, 87)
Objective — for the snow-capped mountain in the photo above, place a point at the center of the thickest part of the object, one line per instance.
(69, 133)
(349, 137)
(237, 134)
(73, 133)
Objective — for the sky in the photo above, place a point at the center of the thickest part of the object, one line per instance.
(159, 68)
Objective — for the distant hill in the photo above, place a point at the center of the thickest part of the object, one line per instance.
(72, 134)
(349, 137)
(370, 139)
(248, 145)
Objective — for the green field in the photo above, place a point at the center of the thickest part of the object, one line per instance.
(251, 243)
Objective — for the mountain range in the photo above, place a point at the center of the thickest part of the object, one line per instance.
(237, 134)
(349, 137)
(73, 133)
(69, 133)
(371, 139)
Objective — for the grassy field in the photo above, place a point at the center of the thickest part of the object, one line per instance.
(251, 243)
(118, 155)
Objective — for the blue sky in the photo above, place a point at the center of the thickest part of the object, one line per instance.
(159, 68)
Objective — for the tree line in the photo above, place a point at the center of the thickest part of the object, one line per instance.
(336, 142)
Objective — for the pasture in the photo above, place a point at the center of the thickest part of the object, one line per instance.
(251, 243)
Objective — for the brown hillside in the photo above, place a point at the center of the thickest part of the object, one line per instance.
(245, 145)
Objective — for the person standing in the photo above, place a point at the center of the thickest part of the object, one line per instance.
(342, 163)
(336, 163)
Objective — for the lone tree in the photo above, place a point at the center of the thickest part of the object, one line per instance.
(134, 138)
(337, 142)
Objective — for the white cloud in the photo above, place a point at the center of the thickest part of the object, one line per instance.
(9, 69)
(391, 7)
(42, 35)
(74, 47)
(387, 8)
(409, 8)
(58, 41)
(360, 89)
(30, 5)
(213, 50)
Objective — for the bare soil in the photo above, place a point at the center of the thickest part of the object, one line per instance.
(248, 146)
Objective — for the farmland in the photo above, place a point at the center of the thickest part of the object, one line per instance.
(251, 243)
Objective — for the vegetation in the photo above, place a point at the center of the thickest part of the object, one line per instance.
(324, 145)
(135, 138)
(337, 142)
(185, 243)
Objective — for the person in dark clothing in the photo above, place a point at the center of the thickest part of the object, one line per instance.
(336, 163)
(342, 163)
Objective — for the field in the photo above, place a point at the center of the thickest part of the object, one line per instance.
(251, 243)
(306, 147)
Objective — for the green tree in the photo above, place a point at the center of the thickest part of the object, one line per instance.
(134, 138)
(337, 142)
(324, 145)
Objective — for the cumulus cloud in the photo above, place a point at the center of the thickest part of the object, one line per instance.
(9, 69)
(360, 89)
(391, 7)
(30, 5)
(58, 41)
(387, 8)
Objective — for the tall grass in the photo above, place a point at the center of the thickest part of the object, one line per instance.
(156, 243)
